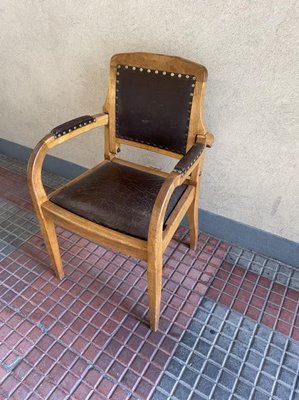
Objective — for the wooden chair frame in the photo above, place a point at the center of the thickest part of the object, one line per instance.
(150, 250)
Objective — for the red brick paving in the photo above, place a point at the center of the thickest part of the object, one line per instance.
(89, 332)
(87, 335)
(257, 297)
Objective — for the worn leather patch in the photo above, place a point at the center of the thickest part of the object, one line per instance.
(117, 197)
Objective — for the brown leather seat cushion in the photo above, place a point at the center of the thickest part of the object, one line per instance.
(117, 197)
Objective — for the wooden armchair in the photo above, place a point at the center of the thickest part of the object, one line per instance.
(154, 102)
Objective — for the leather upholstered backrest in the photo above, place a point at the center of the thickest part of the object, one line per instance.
(151, 100)
(153, 107)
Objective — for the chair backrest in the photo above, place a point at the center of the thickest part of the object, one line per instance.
(155, 102)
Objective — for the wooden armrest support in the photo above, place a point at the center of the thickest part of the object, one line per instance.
(207, 139)
(35, 164)
(160, 207)
(189, 159)
(71, 129)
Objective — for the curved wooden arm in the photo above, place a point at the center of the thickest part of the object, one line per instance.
(176, 178)
(158, 214)
(100, 120)
(35, 164)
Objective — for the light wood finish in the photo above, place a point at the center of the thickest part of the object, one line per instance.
(207, 139)
(94, 232)
(38, 193)
(143, 168)
(147, 147)
(151, 250)
(155, 250)
(177, 215)
(193, 210)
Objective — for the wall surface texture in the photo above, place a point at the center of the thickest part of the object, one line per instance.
(54, 66)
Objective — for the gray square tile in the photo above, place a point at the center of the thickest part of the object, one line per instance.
(257, 395)
(291, 362)
(215, 322)
(181, 392)
(229, 330)
(287, 377)
(220, 394)
(265, 382)
(196, 326)
(293, 348)
(204, 386)
(223, 342)
(259, 345)
(282, 279)
(233, 365)
(196, 361)
(243, 390)
(270, 368)
(279, 340)
(257, 268)
(294, 283)
(249, 373)
(263, 333)
(275, 354)
(238, 350)
(167, 383)
(189, 377)
(196, 396)
(282, 392)
(269, 273)
(227, 379)
(244, 262)
(235, 250)
(254, 358)
(207, 304)
(249, 255)
(203, 347)
(217, 356)
(175, 367)
(182, 353)
(189, 339)
(157, 395)
(211, 370)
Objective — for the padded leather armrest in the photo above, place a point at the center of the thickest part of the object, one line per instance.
(189, 158)
(72, 125)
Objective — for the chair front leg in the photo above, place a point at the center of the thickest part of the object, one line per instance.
(154, 249)
(39, 196)
(154, 284)
(50, 237)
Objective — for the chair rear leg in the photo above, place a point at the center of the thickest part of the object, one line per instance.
(154, 284)
(193, 223)
(50, 237)
(193, 209)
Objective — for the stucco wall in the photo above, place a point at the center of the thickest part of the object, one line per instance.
(54, 65)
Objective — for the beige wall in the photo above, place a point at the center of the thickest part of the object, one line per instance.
(54, 65)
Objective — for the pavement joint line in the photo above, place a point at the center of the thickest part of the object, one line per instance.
(73, 351)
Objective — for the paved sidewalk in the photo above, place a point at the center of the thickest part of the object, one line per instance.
(229, 321)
